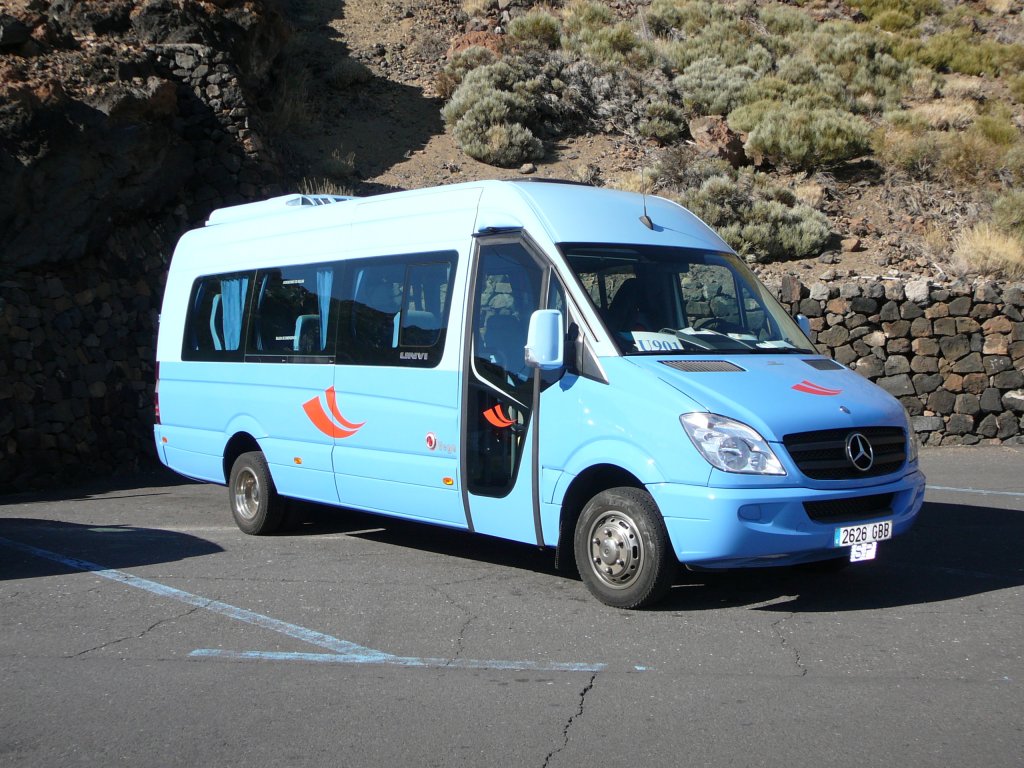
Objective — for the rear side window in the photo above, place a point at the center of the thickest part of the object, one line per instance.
(293, 314)
(394, 311)
(214, 329)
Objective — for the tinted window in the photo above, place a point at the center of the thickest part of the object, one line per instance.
(395, 311)
(292, 313)
(215, 325)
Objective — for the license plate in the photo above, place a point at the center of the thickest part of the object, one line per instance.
(851, 535)
(865, 551)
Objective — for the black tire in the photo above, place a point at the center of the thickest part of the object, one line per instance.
(255, 505)
(622, 549)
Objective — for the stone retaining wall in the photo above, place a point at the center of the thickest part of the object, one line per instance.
(953, 354)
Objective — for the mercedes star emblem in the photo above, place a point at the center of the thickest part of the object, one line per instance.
(859, 451)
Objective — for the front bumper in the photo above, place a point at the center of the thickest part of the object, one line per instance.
(751, 527)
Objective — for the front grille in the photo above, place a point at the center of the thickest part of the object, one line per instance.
(849, 510)
(822, 455)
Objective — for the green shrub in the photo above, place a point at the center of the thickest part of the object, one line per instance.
(663, 121)
(960, 51)
(710, 87)
(503, 144)
(761, 222)
(685, 16)
(746, 118)
(615, 46)
(460, 64)
(894, 21)
(997, 128)
(584, 17)
(863, 59)
(808, 139)
(781, 20)
(490, 112)
(735, 41)
(536, 29)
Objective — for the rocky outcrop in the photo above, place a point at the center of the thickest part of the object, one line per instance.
(98, 129)
(122, 123)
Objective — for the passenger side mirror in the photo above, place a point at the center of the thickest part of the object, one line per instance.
(545, 340)
(805, 325)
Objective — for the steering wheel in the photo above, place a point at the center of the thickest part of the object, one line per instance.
(719, 324)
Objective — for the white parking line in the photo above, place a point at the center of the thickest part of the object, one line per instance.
(978, 491)
(342, 651)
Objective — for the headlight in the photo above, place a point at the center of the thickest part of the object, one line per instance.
(731, 445)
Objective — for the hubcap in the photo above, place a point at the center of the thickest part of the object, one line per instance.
(616, 549)
(247, 494)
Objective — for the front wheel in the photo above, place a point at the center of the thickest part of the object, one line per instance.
(255, 505)
(622, 549)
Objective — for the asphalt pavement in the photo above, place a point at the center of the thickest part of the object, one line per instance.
(138, 626)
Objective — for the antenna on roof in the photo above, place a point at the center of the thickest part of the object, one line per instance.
(645, 219)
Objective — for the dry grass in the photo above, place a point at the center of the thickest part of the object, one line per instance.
(986, 251)
(477, 7)
(946, 114)
(315, 186)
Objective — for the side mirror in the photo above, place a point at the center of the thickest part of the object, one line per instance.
(805, 325)
(545, 340)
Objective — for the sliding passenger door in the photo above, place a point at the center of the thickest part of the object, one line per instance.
(396, 404)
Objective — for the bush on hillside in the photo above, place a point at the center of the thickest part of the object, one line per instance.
(711, 87)
(808, 139)
(662, 121)
(734, 41)
(961, 51)
(761, 222)
(535, 29)
(459, 65)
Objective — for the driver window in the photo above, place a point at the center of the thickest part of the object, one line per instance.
(508, 291)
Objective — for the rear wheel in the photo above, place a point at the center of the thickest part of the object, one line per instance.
(255, 505)
(622, 549)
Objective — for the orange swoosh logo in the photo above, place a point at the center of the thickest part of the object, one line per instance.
(338, 426)
(496, 418)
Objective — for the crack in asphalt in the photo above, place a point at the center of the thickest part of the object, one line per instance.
(572, 719)
(776, 628)
(138, 636)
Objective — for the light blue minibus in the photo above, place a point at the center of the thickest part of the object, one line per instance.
(583, 369)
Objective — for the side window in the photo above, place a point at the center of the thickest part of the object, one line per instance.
(508, 291)
(216, 315)
(292, 314)
(394, 311)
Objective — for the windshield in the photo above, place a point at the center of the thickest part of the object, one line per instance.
(657, 300)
